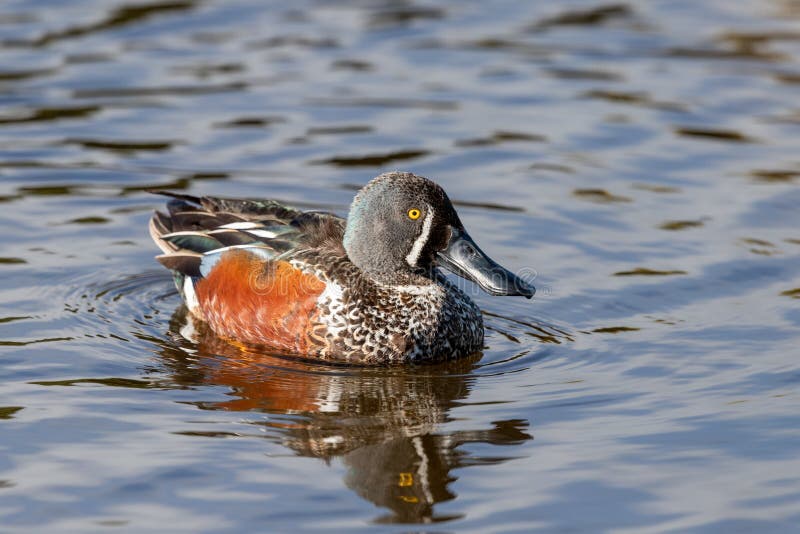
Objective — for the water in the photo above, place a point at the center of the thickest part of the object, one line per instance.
(642, 158)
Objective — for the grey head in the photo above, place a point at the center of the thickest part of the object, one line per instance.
(401, 226)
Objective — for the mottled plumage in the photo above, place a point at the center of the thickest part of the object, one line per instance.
(363, 290)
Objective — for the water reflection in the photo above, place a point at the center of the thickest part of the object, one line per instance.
(382, 423)
(642, 154)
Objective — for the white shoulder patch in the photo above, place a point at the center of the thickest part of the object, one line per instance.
(243, 225)
(262, 233)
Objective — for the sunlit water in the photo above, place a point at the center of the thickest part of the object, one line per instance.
(643, 158)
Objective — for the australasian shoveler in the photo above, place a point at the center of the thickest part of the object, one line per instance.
(364, 290)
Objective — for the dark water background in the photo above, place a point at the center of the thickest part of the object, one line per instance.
(643, 158)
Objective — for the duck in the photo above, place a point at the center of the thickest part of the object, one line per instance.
(368, 289)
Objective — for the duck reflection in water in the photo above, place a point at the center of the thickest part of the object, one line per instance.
(382, 423)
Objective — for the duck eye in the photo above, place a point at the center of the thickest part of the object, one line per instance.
(414, 214)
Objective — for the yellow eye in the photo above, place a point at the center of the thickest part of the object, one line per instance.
(414, 214)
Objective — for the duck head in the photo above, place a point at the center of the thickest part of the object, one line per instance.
(401, 224)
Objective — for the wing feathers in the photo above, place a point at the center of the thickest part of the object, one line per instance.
(187, 263)
(229, 238)
(195, 231)
(194, 241)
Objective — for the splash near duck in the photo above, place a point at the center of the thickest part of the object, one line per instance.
(366, 289)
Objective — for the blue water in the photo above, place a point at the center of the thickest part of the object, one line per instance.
(641, 159)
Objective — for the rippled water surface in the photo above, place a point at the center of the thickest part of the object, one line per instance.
(642, 157)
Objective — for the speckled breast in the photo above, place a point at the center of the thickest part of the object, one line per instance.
(364, 322)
